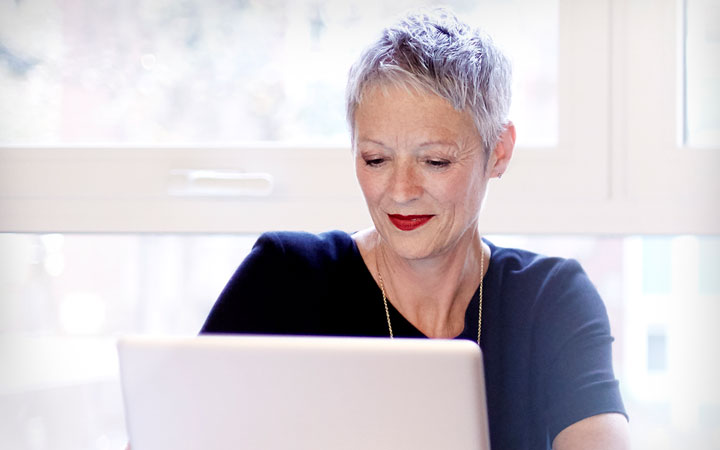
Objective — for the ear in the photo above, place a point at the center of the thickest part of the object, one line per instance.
(503, 151)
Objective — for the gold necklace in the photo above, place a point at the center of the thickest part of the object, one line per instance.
(480, 296)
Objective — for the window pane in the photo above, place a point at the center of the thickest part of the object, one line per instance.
(65, 298)
(199, 71)
(63, 301)
(656, 350)
(657, 265)
(702, 73)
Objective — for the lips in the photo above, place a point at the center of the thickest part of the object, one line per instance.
(409, 223)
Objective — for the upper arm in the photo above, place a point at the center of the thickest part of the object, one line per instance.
(601, 432)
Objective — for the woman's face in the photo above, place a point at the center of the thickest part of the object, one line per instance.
(421, 167)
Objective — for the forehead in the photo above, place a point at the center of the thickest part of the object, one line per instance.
(389, 110)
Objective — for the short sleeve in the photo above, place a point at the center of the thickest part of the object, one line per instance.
(575, 350)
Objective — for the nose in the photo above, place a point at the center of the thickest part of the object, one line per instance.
(405, 184)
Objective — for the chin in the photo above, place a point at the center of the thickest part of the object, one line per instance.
(410, 247)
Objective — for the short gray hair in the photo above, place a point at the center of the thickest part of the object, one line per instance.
(433, 51)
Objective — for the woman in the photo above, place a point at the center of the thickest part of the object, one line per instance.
(427, 106)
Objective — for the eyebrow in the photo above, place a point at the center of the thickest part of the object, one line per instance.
(420, 146)
(371, 141)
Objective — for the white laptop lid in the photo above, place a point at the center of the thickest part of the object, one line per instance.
(271, 393)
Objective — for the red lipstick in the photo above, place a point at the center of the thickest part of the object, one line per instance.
(409, 223)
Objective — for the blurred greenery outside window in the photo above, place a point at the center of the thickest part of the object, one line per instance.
(214, 72)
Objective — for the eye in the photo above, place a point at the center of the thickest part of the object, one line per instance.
(438, 163)
(374, 162)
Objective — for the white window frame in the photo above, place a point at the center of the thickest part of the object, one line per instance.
(674, 188)
(617, 168)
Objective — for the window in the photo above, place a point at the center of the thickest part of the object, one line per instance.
(656, 350)
(659, 70)
(68, 296)
(147, 144)
(702, 74)
(112, 128)
(216, 72)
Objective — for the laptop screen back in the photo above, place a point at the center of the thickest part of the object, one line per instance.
(271, 393)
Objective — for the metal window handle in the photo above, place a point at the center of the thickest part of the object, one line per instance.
(219, 183)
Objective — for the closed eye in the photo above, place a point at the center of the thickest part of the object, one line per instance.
(374, 162)
(438, 163)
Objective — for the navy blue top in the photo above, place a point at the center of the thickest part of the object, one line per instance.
(545, 338)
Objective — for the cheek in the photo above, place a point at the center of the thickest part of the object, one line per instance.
(464, 193)
(369, 184)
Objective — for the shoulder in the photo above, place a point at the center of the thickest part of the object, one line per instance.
(309, 248)
(299, 241)
(545, 288)
(292, 256)
(282, 285)
(513, 264)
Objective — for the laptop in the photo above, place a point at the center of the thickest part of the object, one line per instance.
(270, 393)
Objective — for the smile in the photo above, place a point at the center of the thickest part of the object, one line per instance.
(409, 223)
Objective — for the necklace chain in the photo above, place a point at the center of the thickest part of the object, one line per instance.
(480, 298)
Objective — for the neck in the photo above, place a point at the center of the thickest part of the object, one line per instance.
(433, 293)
